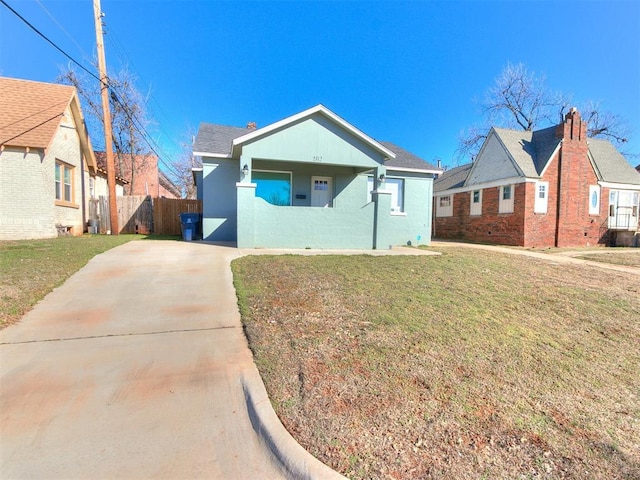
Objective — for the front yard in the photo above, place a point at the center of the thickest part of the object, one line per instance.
(32, 268)
(473, 364)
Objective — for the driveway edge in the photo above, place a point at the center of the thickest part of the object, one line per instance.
(295, 460)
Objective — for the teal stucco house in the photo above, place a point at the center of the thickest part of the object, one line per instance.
(311, 180)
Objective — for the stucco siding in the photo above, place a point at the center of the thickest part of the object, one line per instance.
(219, 204)
(312, 227)
(317, 140)
(414, 226)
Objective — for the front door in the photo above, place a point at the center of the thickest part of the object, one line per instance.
(321, 192)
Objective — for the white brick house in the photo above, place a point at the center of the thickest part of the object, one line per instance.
(46, 161)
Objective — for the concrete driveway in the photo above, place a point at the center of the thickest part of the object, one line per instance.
(137, 367)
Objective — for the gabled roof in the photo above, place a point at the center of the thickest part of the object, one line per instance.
(531, 151)
(217, 139)
(610, 165)
(453, 178)
(407, 160)
(213, 140)
(30, 113)
(318, 109)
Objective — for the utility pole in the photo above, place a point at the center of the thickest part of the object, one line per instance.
(106, 115)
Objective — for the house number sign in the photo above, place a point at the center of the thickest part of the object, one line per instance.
(317, 158)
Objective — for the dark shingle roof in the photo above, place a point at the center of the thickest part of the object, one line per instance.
(530, 150)
(453, 178)
(611, 166)
(405, 159)
(217, 139)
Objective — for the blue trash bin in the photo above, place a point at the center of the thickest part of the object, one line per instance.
(189, 223)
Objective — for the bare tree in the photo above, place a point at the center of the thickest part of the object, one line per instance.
(181, 169)
(520, 100)
(129, 120)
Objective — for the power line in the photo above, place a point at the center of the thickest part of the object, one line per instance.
(50, 41)
(86, 56)
(114, 94)
(122, 52)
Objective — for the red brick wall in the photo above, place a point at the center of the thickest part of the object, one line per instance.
(491, 226)
(567, 221)
(575, 226)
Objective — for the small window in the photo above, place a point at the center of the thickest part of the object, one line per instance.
(396, 187)
(476, 202)
(594, 200)
(64, 182)
(542, 197)
(444, 206)
(393, 185)
(506, 199)
(273, 187)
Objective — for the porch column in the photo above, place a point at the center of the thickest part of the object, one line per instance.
(246, 194)
(382, 211)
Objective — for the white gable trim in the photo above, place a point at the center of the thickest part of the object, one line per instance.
(307, 113)
(480, 153)
(481, 186)
(211, 155)
(413, 170)
(619, 186)
(546, 165)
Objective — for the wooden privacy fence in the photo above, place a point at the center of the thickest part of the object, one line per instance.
(135, 214)
(166, 214)
(142, 214)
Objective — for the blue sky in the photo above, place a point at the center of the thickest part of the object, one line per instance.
(406, 72)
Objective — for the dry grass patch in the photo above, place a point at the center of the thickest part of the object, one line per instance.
(469, 365)
(32, 268)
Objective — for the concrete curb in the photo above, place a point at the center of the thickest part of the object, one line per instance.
(293, 459)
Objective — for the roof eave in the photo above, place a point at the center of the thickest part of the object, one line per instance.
(212, 155)
(83, 133)
(415, 170)
(237, 142)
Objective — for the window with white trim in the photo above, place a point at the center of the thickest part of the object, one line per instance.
(542, 197)
(393, 185)
(594, 199)
(396, 187)
(506, 199)
(64, 182)
(476, 202)
(444, 206)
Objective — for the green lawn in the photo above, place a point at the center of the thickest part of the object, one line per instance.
(467, 365)
(32, 268)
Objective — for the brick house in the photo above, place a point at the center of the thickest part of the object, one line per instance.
(140, 175)
(550, 187)
(46, 160)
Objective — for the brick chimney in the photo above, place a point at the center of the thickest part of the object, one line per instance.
(573, 128)
(575, 227)
(252, 125)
